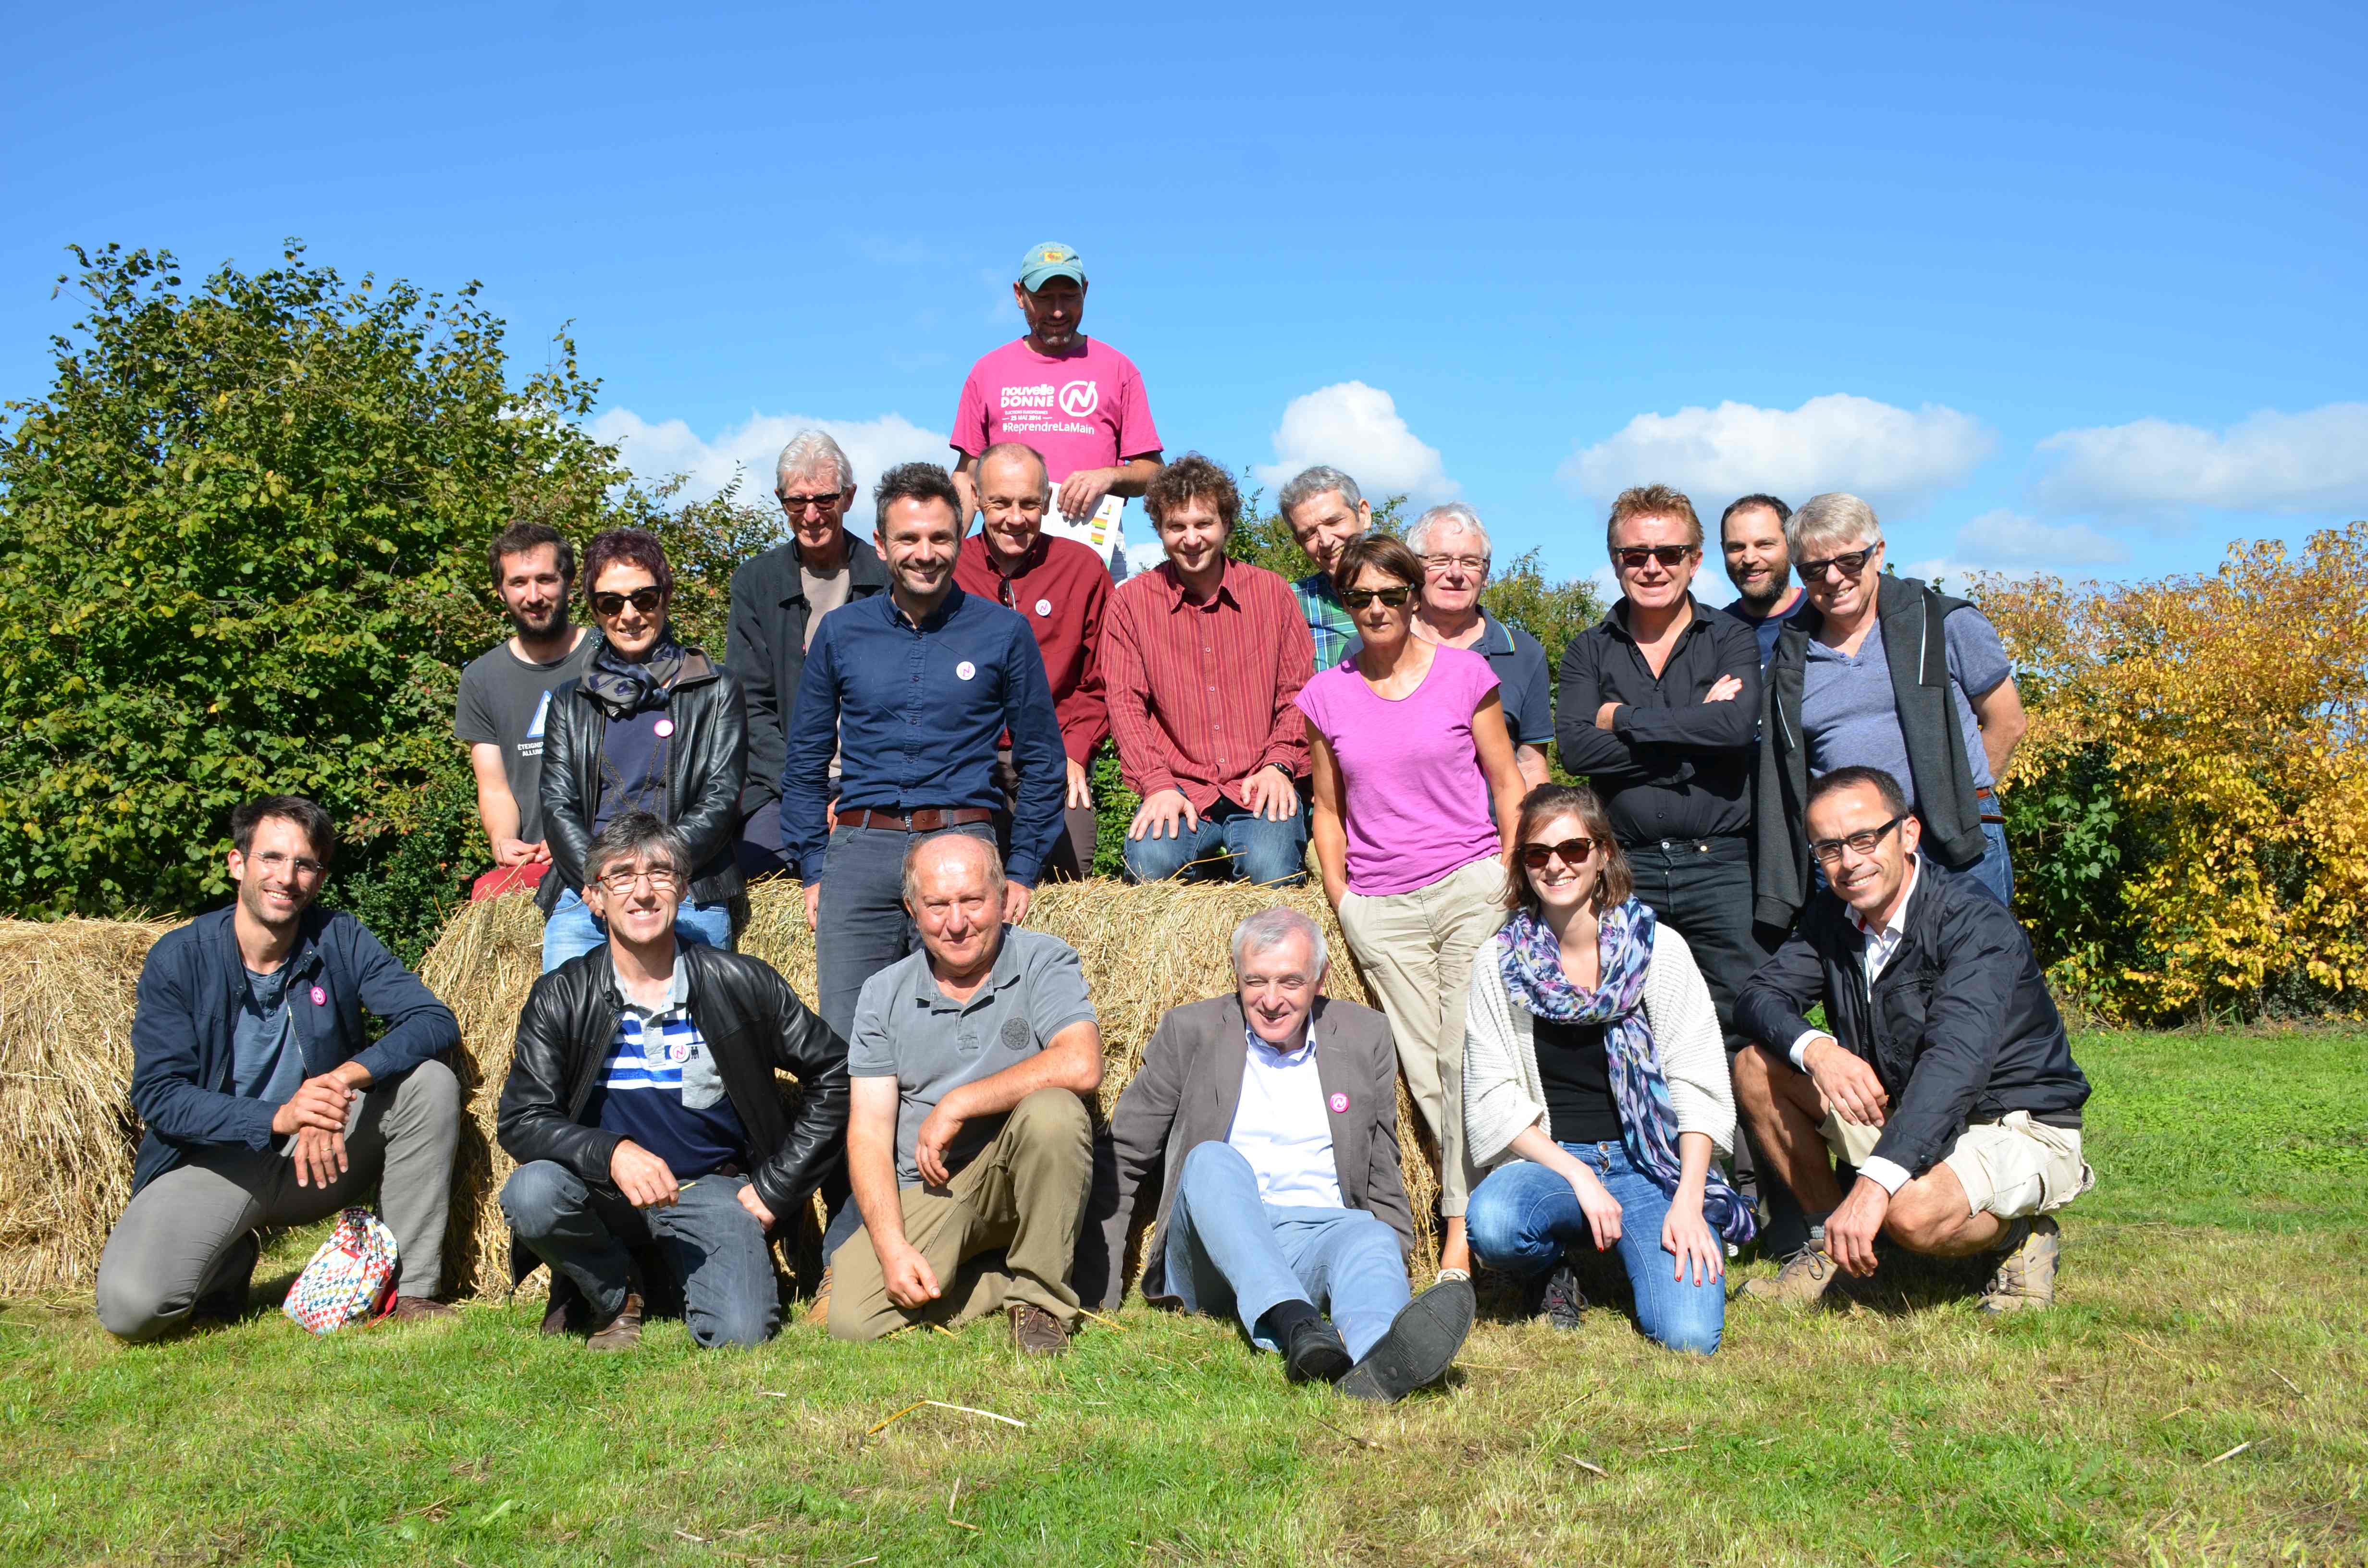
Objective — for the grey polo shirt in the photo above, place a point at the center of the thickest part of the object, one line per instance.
(908, 1030)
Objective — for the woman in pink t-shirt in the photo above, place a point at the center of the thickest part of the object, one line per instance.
(1416, 797)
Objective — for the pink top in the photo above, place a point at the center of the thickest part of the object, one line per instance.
(1416, 800)
(1081, 410)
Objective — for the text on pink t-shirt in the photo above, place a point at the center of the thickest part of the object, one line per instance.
(1081, 410)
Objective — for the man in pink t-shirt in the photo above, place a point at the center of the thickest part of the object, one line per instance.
(1074, 399)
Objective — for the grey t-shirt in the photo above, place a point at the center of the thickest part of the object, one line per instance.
(907, 1030)
(1851, 718)
(267, 1064)
(825, 591)
(502, 703)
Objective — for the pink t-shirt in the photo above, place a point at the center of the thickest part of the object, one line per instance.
(1081, 410)
(1416, 800)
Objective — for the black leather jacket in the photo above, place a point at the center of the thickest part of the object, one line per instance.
(1959, 1028)
(754, 1025)
(705, 768)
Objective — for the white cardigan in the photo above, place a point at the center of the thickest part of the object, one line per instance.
(1503, 1097)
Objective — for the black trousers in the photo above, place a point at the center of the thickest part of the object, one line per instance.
(1702, 887)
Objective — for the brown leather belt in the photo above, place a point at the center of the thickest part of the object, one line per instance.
(929, 818)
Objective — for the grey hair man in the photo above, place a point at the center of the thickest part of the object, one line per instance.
(1269, 1121)
(968, 1135)
(778, 600)
(1453, 546)
(1883, 671)
(1323, 510)
(1759, 564)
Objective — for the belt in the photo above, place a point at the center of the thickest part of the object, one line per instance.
(929, 818)
(1991, 813)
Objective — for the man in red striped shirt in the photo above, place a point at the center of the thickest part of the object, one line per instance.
(1201, 659)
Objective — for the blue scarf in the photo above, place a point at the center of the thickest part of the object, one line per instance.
(1531, 958)
(624, 687)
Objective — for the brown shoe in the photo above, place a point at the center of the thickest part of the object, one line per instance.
(818, 1310)
(1038, 1332)
(623, 1331)
(1800, 1284)
(565, 1312)
(419, 1309)
(2025, 1280)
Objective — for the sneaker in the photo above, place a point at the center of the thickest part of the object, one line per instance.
(1419, 1347)
(2025, 1279)
(226, 1302)
(418, 1309)
(1315, 1353)
(1801, 1283)
(1557, 1297)
(623, 1331)
(1037, 1331)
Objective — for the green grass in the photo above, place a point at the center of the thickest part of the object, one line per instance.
(2212, 1298)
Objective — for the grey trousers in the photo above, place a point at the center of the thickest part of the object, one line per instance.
(182, 1230)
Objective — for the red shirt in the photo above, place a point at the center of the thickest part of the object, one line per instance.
(1201, 695)
(1062, 589)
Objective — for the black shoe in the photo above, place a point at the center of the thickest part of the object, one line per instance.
(1557, 1297)
(1315, 1353)
(226, 1302)
(1419, 1347)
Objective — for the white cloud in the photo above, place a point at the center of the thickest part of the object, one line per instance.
(2009, 539)
(1357, 428)
(2314, 461)
(655, 451)
(1893, 457)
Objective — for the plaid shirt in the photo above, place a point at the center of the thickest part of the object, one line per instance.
(1328, 620)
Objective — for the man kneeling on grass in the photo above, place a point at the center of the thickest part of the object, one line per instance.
(643, 1115)
(265, 1103)
(1270, 1118)
(1944, 1078)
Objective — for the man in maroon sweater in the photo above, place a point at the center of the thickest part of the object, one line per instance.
(1062, 589)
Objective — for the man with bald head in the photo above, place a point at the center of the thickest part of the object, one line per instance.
(968, 1134)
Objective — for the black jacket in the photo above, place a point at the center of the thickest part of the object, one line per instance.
(767, 651)
(1960, 1028)
(1672, 766)
(753, 1023)
(1911, 616)
(706, 764)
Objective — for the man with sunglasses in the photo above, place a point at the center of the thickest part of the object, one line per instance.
(1941, 1076)
(1656, 707)
(778, 600)
(1881, 672)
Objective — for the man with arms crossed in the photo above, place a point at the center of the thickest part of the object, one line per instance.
(1268, 1121)
(1074, 399)
(1944, 1076)
(506, 694)
(1324, 509)
(968, 1134)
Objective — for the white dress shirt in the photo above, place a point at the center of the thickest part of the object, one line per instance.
(1281, 1128)
(1880, 948)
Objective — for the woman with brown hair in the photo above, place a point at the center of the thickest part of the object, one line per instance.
(1596, 1085)
(1411, 752)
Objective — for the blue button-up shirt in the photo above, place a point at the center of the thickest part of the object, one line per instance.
(916, 714)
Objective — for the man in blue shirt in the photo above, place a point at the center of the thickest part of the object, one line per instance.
(1751, 536)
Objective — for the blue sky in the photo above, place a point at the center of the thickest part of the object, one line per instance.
(2059, 288)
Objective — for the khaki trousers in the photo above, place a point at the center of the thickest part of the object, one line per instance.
(1024, 1194)
(1417, 949)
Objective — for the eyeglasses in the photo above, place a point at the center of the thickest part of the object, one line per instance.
(1850, 565)
(1633, 556)
(1358, 598)
(621, 883)
(795, 503)
(296, 865)
(647, 600)
(1472, 565)
(1829, 850)
(1574, 852)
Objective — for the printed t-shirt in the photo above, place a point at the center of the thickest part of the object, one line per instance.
(1410, 775)
(1851, 716)
(504, 702)
(659, 1086)
(1084, 409)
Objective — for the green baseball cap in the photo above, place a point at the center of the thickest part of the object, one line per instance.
(1049, 260)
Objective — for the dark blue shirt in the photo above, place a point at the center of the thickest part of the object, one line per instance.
(1770, 627)
(632, 767)
(915, 714)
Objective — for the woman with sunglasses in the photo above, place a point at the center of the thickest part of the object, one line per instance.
(1595, 1084)
(652, 726)
(1409, 746)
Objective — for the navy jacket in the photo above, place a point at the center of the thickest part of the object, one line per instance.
(190, 991)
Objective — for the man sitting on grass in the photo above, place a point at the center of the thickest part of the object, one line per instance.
(265, 1103)
(1270, 1117)
(968, 1136)
(1945, 1077)
(643, 1115)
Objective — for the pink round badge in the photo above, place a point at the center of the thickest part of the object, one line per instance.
(1340, 1103)
(664, 728)
(320, 997)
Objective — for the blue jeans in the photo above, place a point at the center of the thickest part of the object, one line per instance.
(1232, 844)
(572, 928)
(1226, 1248)
(1523, 1217)
(1995, 869)
(713, 1244)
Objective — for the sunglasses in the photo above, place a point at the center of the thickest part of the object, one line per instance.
(1848, 565)
(1358, 598)
(796, 504)
(1829, 850)
(647, 600)
(1574, 852)
(1633, 556)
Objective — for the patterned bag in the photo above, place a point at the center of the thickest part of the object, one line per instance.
(351, 1277)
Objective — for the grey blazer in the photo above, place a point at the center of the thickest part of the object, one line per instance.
(1190, 1086)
